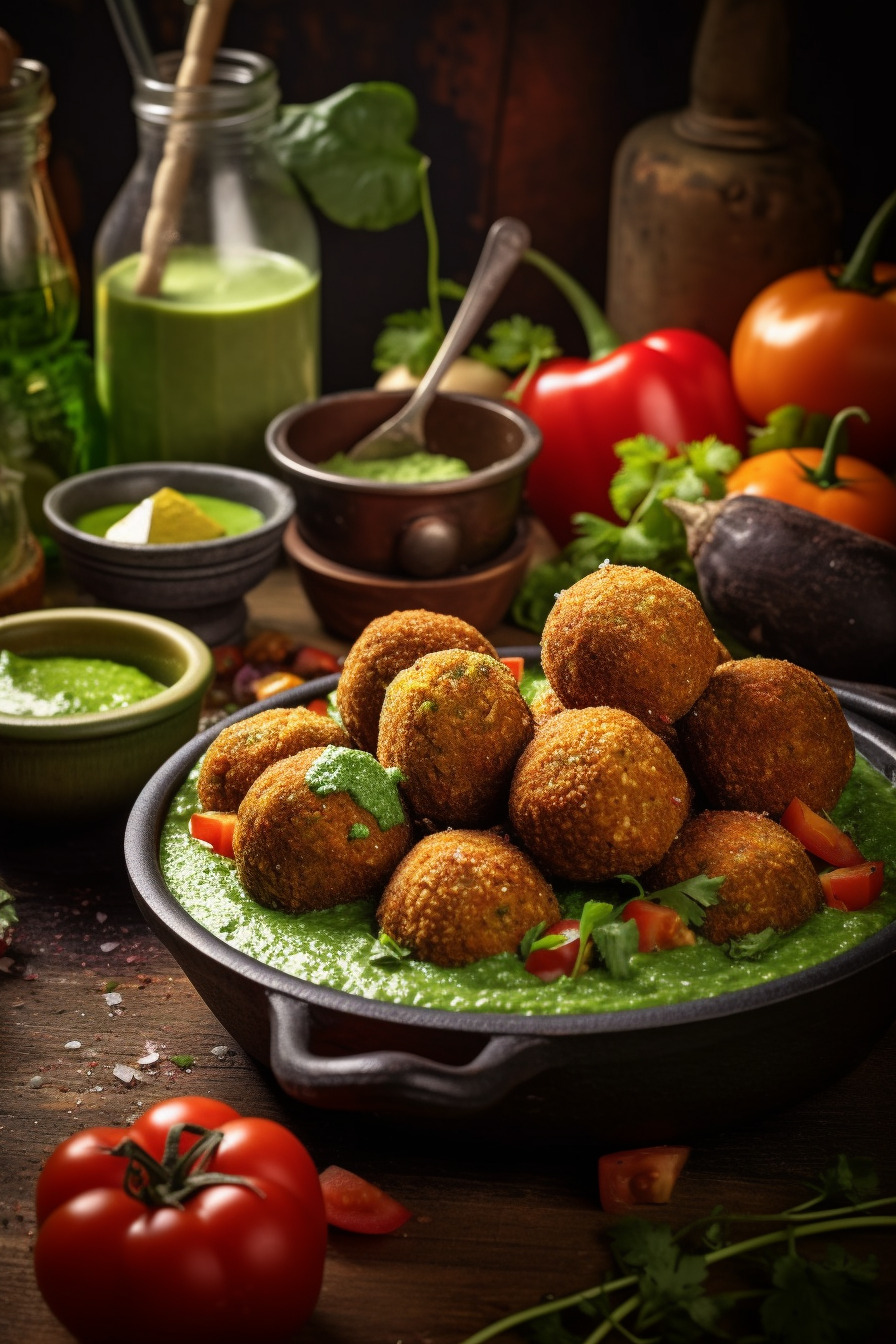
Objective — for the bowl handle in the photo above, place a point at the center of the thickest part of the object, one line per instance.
(392, 1075)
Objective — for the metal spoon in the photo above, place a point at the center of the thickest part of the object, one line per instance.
(403, 432)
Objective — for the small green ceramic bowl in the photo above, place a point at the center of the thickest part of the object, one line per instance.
(85, 765)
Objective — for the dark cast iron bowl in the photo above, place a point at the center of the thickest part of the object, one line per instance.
(647, 1075)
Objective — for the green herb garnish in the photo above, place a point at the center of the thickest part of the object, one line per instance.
(617, 943)
(386, 952)
(753, 945)
(650, 535)
(789, 427)
(182, 1061)
(663, 1291)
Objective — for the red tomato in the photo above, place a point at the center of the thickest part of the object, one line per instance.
(357, 1206)
(853, 888)
(516, 665)
(235, 1262)
(317, 706)
(216, 829)
(820, 836)
(550, 963)
(310, 662)
(228, 660)
(659, 927)
(639, 1176)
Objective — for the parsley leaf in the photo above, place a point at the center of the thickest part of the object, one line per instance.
(650, 536)
(386, 952)
(847, 1178)
(410, 338)
(515, 342)
(667, 1275)
(617, 943)
(690, 898)
(753, 945)
(833, 1301)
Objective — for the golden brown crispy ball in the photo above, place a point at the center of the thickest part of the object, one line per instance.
(296, 850)
(629, 638)
(454, 724)
(723, 653)
(769, 878)
(765, 732)
(597, 793)
(385, 647)
(462, 895)
(241, 752)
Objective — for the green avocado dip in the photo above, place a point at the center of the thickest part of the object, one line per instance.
(414, 469)
(235, 518)
(47, 687)
(333, 947)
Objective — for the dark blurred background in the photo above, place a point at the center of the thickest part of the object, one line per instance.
(522, 105)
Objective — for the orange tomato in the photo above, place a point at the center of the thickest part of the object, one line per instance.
(865, 499)
(803, 340)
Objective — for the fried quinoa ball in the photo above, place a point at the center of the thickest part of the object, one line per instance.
(241, 752)
(454, 724)
(298, 851)
(462, 895)
(596, 793)
(629, 638)
(386, 647)
(764, 732)
(769, 878)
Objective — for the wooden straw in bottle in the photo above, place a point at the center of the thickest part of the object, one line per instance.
(173, 174)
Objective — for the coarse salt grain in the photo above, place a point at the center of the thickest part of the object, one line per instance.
(112, 999)
(73, 1045)
(124, 1073)
(109, 947)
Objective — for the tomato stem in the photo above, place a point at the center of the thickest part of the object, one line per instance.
(167, 1184)
(601, 337)
(858, 273)
(825, 474)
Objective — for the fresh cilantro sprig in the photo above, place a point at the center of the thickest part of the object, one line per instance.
(689, 899)
(752, 946)
(649, 535)
(663, 1289)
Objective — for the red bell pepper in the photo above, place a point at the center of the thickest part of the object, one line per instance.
(674, 384)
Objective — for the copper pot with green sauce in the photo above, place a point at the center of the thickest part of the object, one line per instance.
(694, 1040)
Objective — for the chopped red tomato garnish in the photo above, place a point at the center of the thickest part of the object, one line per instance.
(820, 836)
(310, 662)
(274, 683)
(639, 1176)
(317, 706)
(216, 829)
(659, 927)
(551, 963)
(853, 888)
(354, 1204)
(516, 665)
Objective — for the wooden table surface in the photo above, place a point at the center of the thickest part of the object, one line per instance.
(494, 1228)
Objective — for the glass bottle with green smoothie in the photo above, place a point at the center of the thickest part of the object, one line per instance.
(196, 371)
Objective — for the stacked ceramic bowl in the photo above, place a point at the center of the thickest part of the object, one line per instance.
(366, 547)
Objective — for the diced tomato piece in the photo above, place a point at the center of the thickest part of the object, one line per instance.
(853, 888)
(551, 963)
(820, 836)
(216, 829)
(274, 683)
(516, 665)
(355, 1205)
(310, 662)
(317, 706)
(659, 927)
(639, 1176)
(228, 659)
